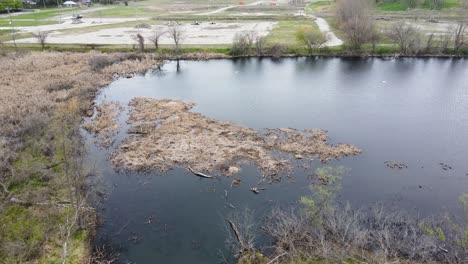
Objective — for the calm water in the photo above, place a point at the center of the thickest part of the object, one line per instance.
(410, 110)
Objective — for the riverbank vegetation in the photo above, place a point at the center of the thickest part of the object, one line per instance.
(321, 230)
(44, 212)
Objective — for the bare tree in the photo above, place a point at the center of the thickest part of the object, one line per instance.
(242, 43)
(140, 40)
(406, 36)
(177, 35)
(260, 43)
(412, 3)
(156, 35)
(459, 36)
(41, 37)
(429, 44)
(354, 17)
(312, 39)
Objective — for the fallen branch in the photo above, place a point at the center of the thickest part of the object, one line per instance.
(199, 174)
(236, 233)
(277, 257)
(5, 190)
(257, 190)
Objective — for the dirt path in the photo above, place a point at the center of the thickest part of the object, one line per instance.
(220, 10)
(324, 27)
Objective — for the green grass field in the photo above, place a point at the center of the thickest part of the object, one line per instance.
(315, 5)
(285, 32)
(402, 6)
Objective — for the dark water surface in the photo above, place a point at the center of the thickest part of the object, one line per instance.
(413, 111)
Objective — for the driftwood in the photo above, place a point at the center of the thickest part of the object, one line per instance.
(230, 205)
(257, 190)
(236, 233)
(199, 174)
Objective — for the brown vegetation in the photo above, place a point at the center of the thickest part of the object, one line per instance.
(171, 135)
(43, 174)
(105, 124)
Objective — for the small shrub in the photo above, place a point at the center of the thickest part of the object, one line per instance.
(60, 85)
(99, 62)
(278, 50)
(311, 38)
(242, 43)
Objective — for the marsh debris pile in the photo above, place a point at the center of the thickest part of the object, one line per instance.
(169, 135)
(105, 125)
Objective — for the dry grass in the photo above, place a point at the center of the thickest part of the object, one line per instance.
(39, 82)
(44, 96)
(105, 125)
(174, 136)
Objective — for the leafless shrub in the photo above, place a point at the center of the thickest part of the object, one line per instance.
(445, 41)
(354, 17)
(406, 36)
(2, 49)
(60, 85)
(156, 35)
(375, 236)
(459, 36)
(101, 255)
(177, 36)
(140, 40)
(312, 39)
(243, 43)
(436, 4)
(412, 3)
(278, 50)
(429, 44)
(260, 44)
(41, 37)
(143, 25)
(241, 230)
(99, 62)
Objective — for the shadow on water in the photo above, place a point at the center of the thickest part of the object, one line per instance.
(411, 110)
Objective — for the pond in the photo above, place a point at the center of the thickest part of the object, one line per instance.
(413, 111)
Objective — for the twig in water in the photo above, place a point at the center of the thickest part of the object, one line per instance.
(199, 174)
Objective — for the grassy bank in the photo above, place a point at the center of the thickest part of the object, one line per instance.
(293, 49)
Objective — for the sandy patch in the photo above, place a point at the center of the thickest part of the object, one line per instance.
(206, 33)
(170, 135)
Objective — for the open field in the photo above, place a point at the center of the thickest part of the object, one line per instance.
(218, 22)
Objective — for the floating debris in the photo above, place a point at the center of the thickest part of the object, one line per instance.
(235, 182)
(256, 190)
(230, 205)
(395, 165)
(199, 174)
(445, 166)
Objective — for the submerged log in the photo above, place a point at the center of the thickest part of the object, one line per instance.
(199, 174)
(237, 234)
